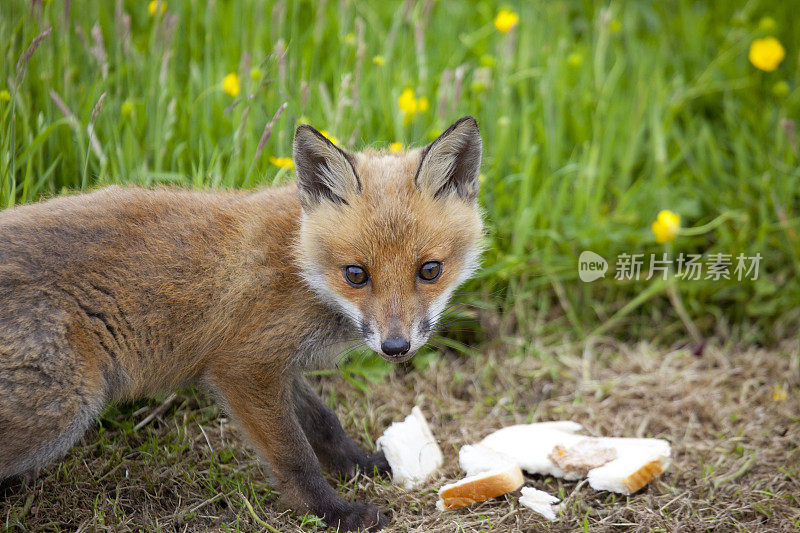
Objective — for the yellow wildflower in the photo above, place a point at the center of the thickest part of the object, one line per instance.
(666, 226)
(505, 20)
(255, 73)
(410, 105)
(328, 136)
(231, 84)
(282, 162)
(487, 60)
(156, 6)
(396, 148)
(379, 60)
(407, 101)
(614, 26)
(779, 393)
(766, 54)
(5, 96)
(350, 39)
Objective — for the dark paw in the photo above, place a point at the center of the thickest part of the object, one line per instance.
(358, 516)
(367, 464)
(376, 464)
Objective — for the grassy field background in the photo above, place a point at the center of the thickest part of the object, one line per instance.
(596, 116)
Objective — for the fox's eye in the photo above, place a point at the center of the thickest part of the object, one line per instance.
(430, 271)
(355, 275)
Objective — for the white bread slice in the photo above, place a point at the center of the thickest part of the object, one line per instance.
(528, 445)
(411, 450)
(539, 502)
(531, 445)
(630, 472)
(480, 487)
(476, 459)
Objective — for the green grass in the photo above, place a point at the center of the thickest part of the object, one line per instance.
(594, 119)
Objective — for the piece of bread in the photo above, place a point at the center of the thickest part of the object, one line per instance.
(528, 445)
(628, 473)
(539, 502)
(475, 459)
(582, 457)
(633, 463)
(411, 450)
(480, 487)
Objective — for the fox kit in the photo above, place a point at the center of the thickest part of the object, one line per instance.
(124, 292)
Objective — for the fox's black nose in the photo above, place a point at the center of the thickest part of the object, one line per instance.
(395, 346)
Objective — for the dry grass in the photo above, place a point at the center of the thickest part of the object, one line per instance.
(737, 461)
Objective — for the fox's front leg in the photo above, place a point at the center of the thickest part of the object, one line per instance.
(260, 398)
(334, 448)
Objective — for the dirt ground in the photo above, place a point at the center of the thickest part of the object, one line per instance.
(731, 416)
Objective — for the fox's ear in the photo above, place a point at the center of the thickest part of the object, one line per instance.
(452, 162)
(324, 171)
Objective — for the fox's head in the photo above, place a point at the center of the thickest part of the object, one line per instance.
(387, 238)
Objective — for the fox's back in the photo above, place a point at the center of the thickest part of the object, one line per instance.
(152, 281)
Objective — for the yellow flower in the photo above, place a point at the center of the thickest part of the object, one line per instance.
(487, 60)
(126, 110)
(614, 26)
(766, 54)
(231, 84)
(779, 393)
(282, 162)
(5, 96)
(255, 73)
(328, 136)
(156, 6)
(505, 20)
(407, 101)
(409, 104)
(666, 226)
(379, 60)
(395, 148)
(350, 39)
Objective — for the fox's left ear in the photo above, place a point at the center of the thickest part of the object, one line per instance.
(325, 172)
(452, 162)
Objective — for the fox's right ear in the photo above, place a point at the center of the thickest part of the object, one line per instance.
(325, 172)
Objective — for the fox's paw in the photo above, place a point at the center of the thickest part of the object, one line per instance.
(376, 463)
(367, 464)
(358, 516)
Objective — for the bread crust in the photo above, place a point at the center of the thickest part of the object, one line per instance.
(480, 487)
(643, 476)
